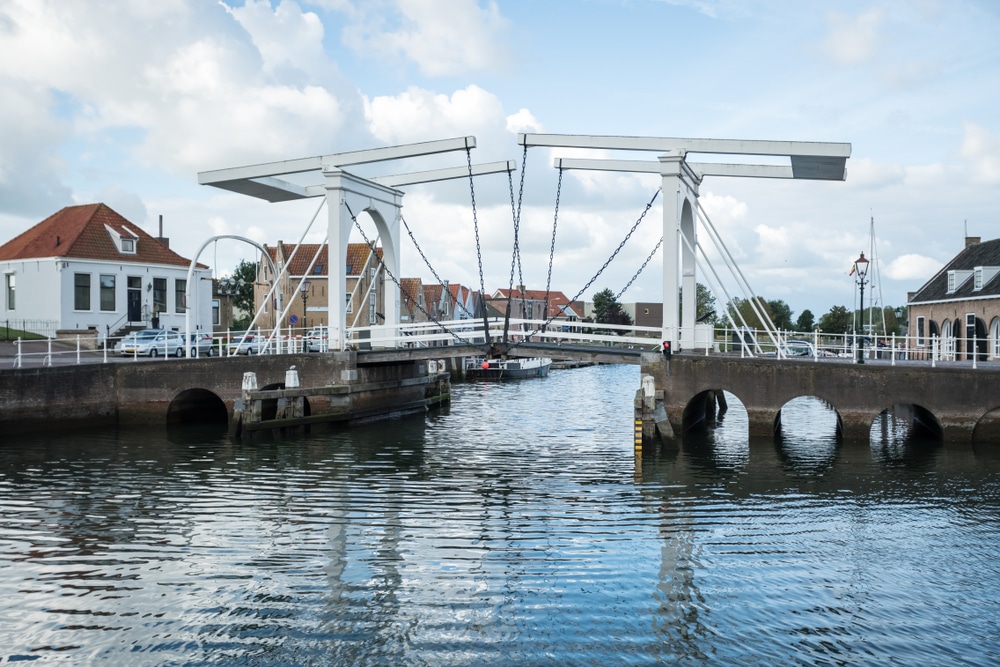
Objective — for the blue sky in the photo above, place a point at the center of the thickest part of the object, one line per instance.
(126, 101)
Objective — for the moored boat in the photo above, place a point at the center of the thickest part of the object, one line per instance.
(507, 369)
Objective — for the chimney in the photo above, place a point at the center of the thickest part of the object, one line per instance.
(161, 238)
(972, 240)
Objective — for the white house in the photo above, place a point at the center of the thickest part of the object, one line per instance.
(87, 267)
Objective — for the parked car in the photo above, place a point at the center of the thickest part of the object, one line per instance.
(251, 344)
(318, 339)
(202, 344)
(153, 343)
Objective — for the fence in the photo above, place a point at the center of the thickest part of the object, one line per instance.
(14, 329)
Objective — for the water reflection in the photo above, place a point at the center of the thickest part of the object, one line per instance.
(500, 533)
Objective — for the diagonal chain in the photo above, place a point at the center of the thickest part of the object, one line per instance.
(395, 280)
(552, 246)
(633, 279)
(599, 271)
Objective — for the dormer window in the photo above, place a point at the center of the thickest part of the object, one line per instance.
(978, 279)
(125, 240)
(957, 278)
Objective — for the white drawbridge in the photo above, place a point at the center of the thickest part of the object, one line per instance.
(681, 179)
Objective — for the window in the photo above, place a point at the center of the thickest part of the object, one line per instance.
(920, 332)
(159, 295)
(180, 295)
(10, 293)
(951, 281)
(108, 293)
(128, 245)
(995, 338)
(81, 291)
(350, 302)
(216, 306)
(978, 280)
(318, 269)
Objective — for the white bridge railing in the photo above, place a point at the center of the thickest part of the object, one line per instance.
(745, 343)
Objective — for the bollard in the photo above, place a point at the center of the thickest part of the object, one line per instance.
(17, 359)
(291, 378)
(48, 357)
(432, 367)
(78, 349)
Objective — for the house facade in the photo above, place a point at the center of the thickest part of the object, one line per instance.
(303, 283)
(87, 268)
(957, 312)
(536, 305)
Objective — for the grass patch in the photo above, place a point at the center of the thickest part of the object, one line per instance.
(14, 334)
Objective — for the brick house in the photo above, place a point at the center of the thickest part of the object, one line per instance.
(958, 309)
(365, 286)
(87, 268)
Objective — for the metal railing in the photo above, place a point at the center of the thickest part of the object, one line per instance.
(703, 339)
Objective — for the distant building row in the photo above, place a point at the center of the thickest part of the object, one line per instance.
(88, 268)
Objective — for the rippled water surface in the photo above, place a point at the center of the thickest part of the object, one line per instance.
(516, 527)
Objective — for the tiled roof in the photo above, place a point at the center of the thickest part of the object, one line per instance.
(357, 255)
(986, 254)
(559, 303)
(79, 232)
(411, 287)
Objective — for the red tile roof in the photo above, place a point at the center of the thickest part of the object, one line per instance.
(79, 232)
(558, 301)
(357, 255)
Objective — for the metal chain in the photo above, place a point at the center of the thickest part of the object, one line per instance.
(633, 279)
(475, 219)
(420, 250)
(552, 246)
(402, 289)
(601, 270)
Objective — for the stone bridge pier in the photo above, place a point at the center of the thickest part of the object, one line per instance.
(953, 403)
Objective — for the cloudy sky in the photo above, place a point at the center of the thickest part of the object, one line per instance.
(125, 101)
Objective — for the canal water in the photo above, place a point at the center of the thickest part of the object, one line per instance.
(516, 527)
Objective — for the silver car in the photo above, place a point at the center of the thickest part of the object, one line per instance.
(153, 343)
(252, 344)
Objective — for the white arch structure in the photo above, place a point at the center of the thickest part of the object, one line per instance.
(680, 181)
(190, 278)
(345, 194)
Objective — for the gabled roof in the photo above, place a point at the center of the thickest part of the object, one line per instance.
(357, 255)
(80, 232)
(985, 254)
(411, 288)
(559, 303)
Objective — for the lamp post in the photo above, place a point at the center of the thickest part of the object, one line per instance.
(304, 290)
(861, 268)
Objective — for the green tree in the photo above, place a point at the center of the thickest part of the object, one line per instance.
(781, 314)
(806, 321)
(743, 308)
(245, 276)
(607, 310)
(837, 321)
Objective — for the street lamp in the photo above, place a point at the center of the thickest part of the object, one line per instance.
(861, 268)
(304, 290)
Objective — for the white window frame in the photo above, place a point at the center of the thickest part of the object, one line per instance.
(921, 326)
(10, 290)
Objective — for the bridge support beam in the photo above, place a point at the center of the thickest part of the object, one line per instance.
(347, 194)
(680, 200)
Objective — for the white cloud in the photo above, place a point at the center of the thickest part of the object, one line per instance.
(852, 40)
(420, 115)
(866, 173)
(912, 267)
(981, 149)
(522, 122)
(285, 35)
(442, 37)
